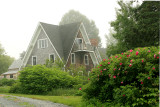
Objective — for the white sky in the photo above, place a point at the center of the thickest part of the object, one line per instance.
(19, 18)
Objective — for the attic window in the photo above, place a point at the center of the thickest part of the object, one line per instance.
(42, 43)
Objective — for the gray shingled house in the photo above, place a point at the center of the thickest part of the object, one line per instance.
(69, 42)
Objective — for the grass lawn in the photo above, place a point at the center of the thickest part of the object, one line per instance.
(74, 101)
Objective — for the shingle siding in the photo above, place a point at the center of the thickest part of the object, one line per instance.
(42, 53)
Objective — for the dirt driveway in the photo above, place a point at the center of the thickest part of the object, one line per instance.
(14, 101)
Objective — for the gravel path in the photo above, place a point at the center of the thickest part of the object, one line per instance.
(15, 101)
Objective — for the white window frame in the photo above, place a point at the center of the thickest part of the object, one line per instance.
(40, 41)
(32, 60)
(85, 60)
(80, 46)
(50, 57)
(74, 58)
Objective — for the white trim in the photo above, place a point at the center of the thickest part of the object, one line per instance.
(53, 55)
(87, 59)
(35, 36)
(74, 58)
(51, 42)
(73, 44)
(32, 60)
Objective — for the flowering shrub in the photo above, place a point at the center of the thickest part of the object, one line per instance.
(127, 79)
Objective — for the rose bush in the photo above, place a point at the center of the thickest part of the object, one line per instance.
(127, 79)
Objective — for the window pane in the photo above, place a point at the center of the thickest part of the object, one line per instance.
(11, 75)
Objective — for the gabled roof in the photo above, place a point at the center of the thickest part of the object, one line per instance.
(16, 64)
(62, 37)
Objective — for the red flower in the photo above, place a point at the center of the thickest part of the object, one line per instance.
(104, 59)
(119, 69)
(122, 53)
(124, 95)
(100, 71)
(159, 52)
(108, 59)
(131, 61)
(108, 62)
(114, 69)
(120, 63)
(130, 65)
(139, 49)
(153, 68)
(88, 79)
(148, 77)
(127, 56)
(137, 53)
(149, 51)
(141, 82)
(154, 55)
(80, 88)
(142, 60)
(104, 69)
(116, 56)
(114, 76)
(121, 82)
(157, 57)
(131, 50)
(100, 65)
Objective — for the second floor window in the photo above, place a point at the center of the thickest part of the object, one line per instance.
(72, 58)
(42, 43)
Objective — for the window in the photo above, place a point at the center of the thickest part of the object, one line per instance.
(42, 43)
(34, 60)
(72, 58)
(51, 57)
(86, 61)
(11, 75)
(80, 43)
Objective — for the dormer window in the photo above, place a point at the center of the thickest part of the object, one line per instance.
(42, 43)
(80, 43)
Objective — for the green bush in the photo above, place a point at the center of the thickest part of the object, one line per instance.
(127, 79)
(7, 82)
(4, 89)
(40, 80)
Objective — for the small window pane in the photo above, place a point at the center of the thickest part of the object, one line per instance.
(86, 60)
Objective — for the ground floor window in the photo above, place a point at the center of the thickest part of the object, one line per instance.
(11, 75)
(72, 58)
(51, 57)
(86, 61)
(34, 60)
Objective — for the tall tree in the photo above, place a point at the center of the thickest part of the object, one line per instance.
(5, 60)
(135, 26)
(75, 16)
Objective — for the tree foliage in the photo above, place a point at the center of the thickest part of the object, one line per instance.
(135, 26)
(5, 60)
(75, 16)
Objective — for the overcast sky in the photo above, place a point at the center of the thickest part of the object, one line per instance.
(19, 18)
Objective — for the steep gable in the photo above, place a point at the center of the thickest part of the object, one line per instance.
(68, 33)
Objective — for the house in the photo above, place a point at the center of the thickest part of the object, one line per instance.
(69, 43)
(12, 72)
